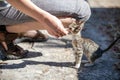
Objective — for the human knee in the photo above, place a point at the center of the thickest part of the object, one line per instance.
(83, 11)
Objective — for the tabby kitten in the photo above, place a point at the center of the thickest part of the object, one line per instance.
(81, 45)
(85, 46)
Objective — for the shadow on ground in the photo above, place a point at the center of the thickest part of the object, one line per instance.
(104, 70)
(33, 54)
(58, 43)
(30, 62)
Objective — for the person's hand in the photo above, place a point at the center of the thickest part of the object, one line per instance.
(55, 26)
(52, 24)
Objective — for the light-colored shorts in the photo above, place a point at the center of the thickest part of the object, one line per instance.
(78, 9)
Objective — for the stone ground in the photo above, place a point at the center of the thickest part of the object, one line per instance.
(51, 60)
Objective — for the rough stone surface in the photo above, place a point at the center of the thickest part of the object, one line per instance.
(52, 60)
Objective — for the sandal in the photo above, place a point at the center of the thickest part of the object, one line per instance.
(8, 49)
(39, 37)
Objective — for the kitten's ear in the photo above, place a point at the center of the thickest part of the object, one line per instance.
(84, 61)
(89, 64)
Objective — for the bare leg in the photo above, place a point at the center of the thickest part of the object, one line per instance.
(24, 27)
(66, 22)
(28, 26)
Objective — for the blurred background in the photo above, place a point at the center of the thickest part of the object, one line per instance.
(106, 16)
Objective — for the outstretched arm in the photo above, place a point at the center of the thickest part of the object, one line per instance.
(53, 24)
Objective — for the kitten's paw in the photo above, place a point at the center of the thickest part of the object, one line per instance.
(88, 64)
(84, 61)
(77, 66)
(74, 67)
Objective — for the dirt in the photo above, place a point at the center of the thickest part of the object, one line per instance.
(52, 60)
